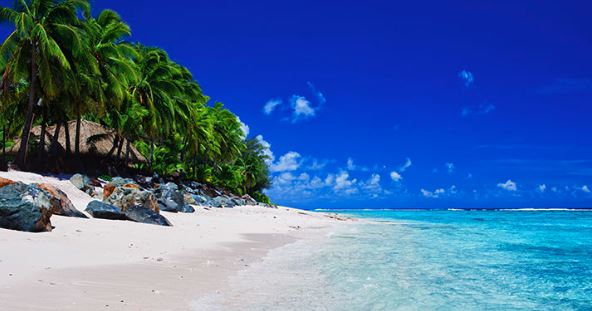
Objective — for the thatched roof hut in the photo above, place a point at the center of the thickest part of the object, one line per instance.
(95, 140)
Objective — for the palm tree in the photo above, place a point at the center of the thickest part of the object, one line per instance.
(116, 71)
(35, 50)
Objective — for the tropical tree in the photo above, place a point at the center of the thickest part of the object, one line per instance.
(34, 51)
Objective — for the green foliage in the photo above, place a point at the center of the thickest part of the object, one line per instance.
(82, 66)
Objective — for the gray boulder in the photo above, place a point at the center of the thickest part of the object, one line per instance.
(25, 208)
(80, 181)
(222, 201)
(147, 216)
(60, 204)
(171, 199)
(129, 195)
(102, 210)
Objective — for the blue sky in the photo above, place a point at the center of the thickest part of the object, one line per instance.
(397, 104)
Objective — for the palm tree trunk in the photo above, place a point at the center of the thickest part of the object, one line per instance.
(151, 155)
(21, 158)
(67, 134)
(127, 152)
(119, 148)
(55, 140)
(77, 136)
(115, 144)
(41, 150)
(4, 145)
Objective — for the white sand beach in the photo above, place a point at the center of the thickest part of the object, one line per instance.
(94, 264)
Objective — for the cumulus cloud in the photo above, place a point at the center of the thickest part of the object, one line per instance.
(350, 164)
(302, 108)
(316, 165)
(288, 162)
(466, 77)
(395, 176)
(585, 189)
(542, 188)
(508, 185)
(271, 105)
(245, 128)
(405, 166)
(433, 194)
(266, 149)
(450, 167)
(373, 184)
(344, 184)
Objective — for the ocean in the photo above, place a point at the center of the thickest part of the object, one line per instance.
(430, 260)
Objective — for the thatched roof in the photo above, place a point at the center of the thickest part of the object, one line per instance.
(95, 139)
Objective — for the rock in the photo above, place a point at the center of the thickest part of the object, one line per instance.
(200, 199)
(249, 200)
(25, 208)
(188, 198)
(125, 197)
(108, 190)
(5, 182)
(170, 199)
(222, 201)
(120, 182)
(102, 210)
(186, 208)
(60, 204)
(239, 202)
(80, 181)
(147, 216)
(84, 183)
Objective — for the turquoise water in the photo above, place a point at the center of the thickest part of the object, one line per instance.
(432, 260)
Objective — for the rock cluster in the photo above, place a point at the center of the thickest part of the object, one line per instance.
(29, 207)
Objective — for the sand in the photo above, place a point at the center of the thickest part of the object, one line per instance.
(94, 264)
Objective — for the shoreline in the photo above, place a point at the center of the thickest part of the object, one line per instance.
(100, 264)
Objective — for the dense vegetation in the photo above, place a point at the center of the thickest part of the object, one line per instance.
(60, 63)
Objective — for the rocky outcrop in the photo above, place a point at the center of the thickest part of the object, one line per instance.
(146, 216)
(98, 209)
(60, 204)
(25, 208)
(5, 182)
(84, 183)
(171, 199)
(128, 195)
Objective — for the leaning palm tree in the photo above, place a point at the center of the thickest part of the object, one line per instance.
(50, 26)
(116, 71)
(35, 50)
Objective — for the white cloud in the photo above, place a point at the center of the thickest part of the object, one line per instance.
(373, 184)
(344, 184)
(585, 189)
(245, 128)
(542, 188)
(288, 162)
(450, 167)
(395, 176)
(317, 165)
(433, 194)
(321, 100)
(271, 105)
(405, 166)
(467, 77)
(267, 149)
(350, 164)
(508, 185)
(302, 108)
